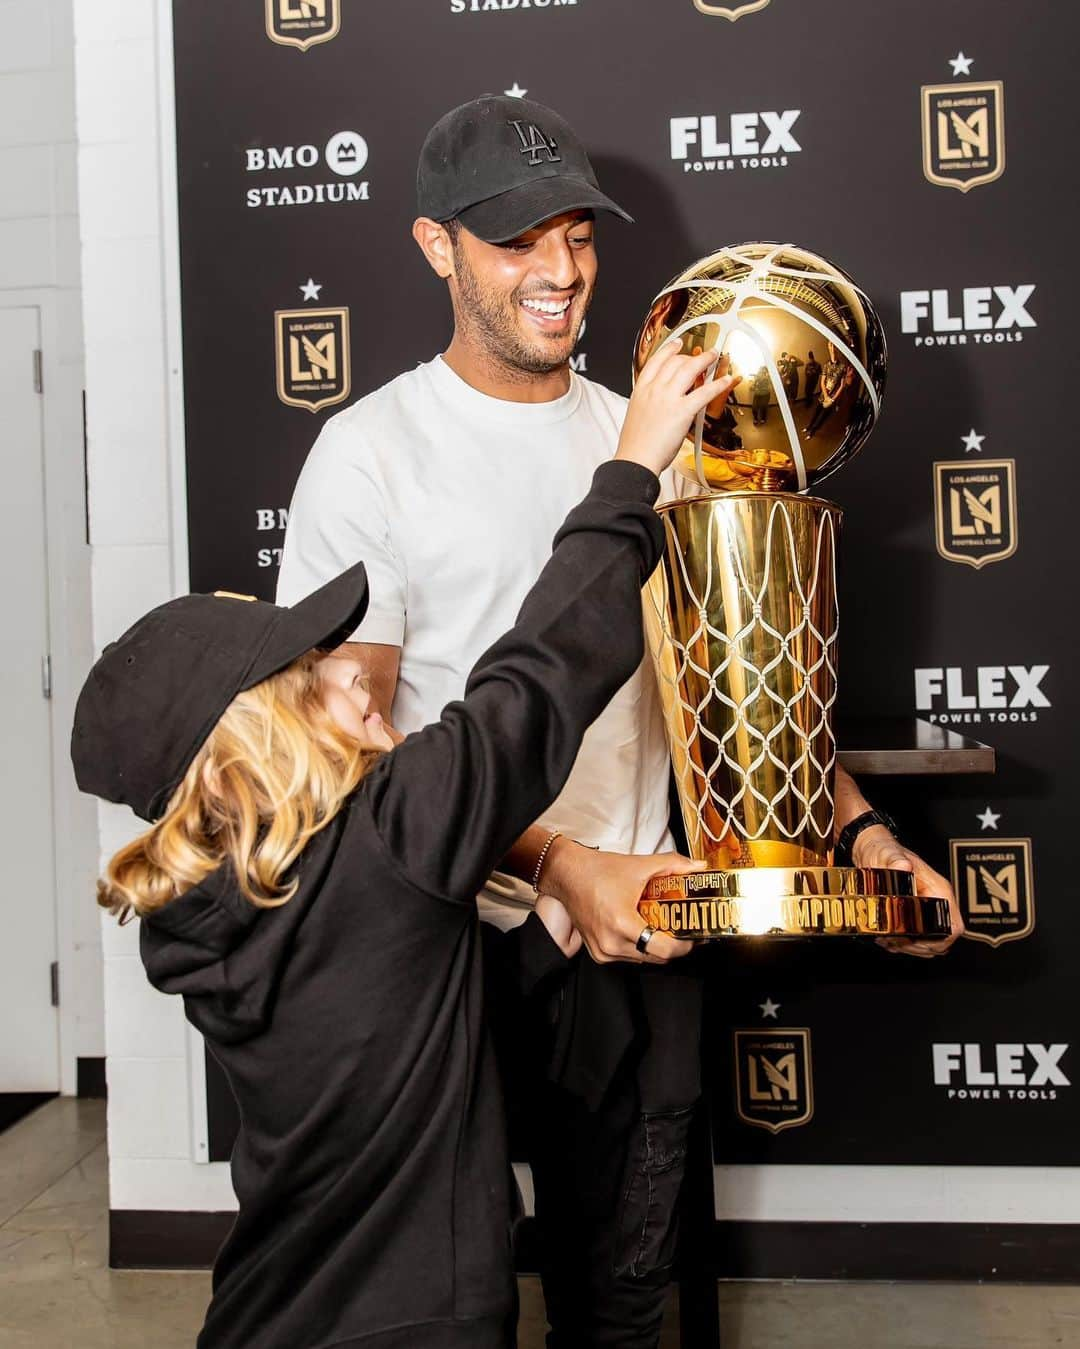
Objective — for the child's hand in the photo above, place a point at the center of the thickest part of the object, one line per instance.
(554, 917)
(667, 397)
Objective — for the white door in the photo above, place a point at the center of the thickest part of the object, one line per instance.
(29, 1058)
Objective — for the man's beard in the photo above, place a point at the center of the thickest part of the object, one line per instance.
(493, 321)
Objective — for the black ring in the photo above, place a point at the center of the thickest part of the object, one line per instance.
(647, 934)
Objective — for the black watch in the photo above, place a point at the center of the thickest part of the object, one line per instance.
(851, 831)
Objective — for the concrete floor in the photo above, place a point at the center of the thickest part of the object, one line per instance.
(56, 1293)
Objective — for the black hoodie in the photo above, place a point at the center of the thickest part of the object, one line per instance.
(370, 1166)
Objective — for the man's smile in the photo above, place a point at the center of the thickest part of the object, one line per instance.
(550, 315)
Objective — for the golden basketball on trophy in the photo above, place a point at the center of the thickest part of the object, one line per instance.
(741, 614)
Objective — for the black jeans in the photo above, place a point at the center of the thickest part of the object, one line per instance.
(820, 417)
(607, 1179)
(607, 1185)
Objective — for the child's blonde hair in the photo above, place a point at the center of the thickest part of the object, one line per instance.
(274, 771)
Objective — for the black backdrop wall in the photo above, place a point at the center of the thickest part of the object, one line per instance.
(928, 149)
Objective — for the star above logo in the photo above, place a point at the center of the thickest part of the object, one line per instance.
(311, 289)
(961, 64)
(515, 91)
(769, 1008)
(972, 441)
(989, 818)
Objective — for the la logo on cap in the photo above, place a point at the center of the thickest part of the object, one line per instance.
(535, 143)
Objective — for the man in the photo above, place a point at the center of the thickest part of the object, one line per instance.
(449, 482)
(835, 376)
(813, 374)
(788, 366)
(761, 391)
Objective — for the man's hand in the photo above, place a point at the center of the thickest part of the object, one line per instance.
(601, 891)
(552, 913)
(876, 847)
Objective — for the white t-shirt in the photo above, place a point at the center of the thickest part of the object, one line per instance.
(452, 498)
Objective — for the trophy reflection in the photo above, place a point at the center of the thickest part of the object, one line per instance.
(741, 614)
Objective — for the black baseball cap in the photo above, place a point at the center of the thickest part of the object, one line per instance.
(502, 165)
(154, 696)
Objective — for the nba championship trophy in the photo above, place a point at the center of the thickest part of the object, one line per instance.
(741, 613)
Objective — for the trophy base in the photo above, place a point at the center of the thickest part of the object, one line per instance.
(778, 902)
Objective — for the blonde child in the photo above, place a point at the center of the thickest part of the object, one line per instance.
(307, 885)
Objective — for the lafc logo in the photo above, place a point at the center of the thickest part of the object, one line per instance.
(774, 1086)
(975, 510)
(963, 128)
(731, 12)
(313, 361)
(302, 23)
(536, 144)
(993, 883)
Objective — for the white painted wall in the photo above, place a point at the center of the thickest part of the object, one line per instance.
(129, 261)
(136, 529)
(39, 265)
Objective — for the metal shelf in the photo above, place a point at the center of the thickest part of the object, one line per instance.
(900, 745)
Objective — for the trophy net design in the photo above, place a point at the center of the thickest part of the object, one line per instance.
(741, 614)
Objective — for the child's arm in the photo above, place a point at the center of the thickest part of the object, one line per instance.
(449, 802)
(452, 798)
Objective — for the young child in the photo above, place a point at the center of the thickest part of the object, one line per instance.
(308, 886)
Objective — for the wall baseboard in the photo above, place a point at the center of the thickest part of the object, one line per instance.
(903, 1252)
(16, 1105)
(90, 1079)
(165, 1239)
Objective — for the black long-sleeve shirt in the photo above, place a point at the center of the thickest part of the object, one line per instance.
(370, 1166)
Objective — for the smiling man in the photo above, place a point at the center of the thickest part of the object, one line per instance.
(449, 483)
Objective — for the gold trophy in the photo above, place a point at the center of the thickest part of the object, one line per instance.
(741, 613)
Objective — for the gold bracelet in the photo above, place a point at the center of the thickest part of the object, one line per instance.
(552, 836)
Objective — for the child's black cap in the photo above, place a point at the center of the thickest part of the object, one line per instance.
(155, 695)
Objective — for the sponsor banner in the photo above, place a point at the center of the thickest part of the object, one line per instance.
(271, 520)
(344, 154)
(508, 6)
(975, 315)
(966, 695)
(713, 143)
(981, 1072)
(298, 124)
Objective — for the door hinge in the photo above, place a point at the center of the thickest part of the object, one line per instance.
(54, 983)
(46, 676)
(39, 377)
